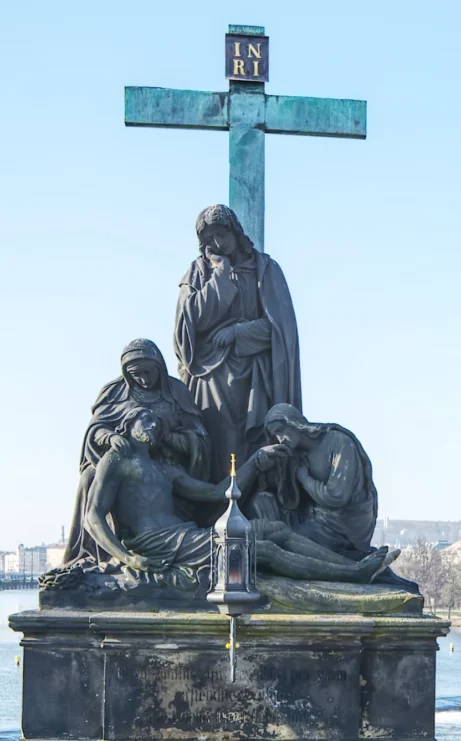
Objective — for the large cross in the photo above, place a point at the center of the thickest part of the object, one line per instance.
(247, 113)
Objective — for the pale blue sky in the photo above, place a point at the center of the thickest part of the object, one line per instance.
(97, 226)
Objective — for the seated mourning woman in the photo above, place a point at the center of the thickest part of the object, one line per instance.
(144, 383)
(324, 490)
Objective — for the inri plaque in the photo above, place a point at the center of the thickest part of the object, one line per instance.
(247, 57)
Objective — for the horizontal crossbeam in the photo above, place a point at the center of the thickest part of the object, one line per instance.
(289, 114)
(283, 114)
(178, 109)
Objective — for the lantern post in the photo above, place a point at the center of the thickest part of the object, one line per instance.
(233, 564)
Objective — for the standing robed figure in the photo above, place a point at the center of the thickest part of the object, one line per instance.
(235, 337)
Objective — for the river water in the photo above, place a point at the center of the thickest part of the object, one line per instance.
(448, 715)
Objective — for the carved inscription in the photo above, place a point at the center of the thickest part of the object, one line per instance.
(203, 718)
(285, 699)
(293, 676)
(181, 673)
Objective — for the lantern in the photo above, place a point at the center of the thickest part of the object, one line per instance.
(233, 563)
(233, 557)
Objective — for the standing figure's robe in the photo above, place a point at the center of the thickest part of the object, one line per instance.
(235, 386)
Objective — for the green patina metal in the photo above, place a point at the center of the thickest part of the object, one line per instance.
(247, 30)
(248, 114)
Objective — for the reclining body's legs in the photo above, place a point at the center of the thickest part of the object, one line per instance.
(298, 566)
(281, 534)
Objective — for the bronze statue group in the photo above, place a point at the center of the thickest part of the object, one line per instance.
(155, 456)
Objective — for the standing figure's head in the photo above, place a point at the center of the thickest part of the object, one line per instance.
(143, 366)
(220, 231)
(289, 426)
(142, 425)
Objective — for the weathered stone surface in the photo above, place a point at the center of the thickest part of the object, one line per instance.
(166, 676)
(307, 694)
(287, 687)
(103, 592)
(288, 595)
(398, 679)
(63, 679)
(126, 591)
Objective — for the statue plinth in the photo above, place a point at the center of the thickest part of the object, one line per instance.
(121, 592)
(122, 676)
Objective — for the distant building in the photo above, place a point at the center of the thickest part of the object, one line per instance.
(11, 562)
(32, 561)
(55, 552)
(54, 555)
(3, 555)
(401, 533)
(441, 545)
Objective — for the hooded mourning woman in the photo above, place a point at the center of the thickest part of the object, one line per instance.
(324, 489)
(144, 383)
(235, 338)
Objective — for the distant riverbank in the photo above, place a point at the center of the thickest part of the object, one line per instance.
(455, 617)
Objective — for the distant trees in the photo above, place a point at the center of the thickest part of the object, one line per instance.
(438, 574)
(451, 591)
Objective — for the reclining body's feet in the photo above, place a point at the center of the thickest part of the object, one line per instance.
(390, 558)
(371, 565)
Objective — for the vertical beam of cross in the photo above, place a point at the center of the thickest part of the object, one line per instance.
(248, 114)
(247, 150)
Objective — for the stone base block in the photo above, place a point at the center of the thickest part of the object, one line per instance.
(122, 591)
(166, 676)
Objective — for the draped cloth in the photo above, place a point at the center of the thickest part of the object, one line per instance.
(235, 386)
(173, 402)
(178, 553)
(343, 514)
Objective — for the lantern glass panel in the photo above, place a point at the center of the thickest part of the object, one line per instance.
(235, 575)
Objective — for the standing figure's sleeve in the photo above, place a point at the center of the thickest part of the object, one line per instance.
(278, 309)
(190, 438)
(202, 304)
(252, 338)
(207, 306)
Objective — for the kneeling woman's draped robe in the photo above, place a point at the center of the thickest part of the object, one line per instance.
(188, 443)
(337, 505)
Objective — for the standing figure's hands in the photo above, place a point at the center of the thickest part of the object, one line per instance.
(224, 337)
(220, 262)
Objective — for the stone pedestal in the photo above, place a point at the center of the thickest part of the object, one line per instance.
(135, 676)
